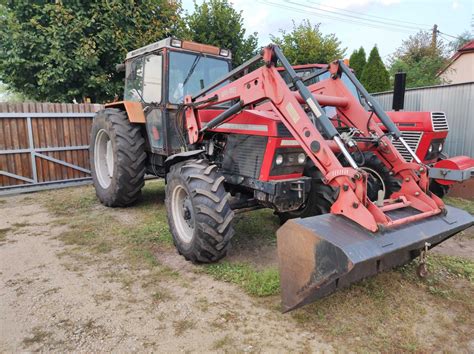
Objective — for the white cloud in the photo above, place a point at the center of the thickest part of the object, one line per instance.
(456, 4)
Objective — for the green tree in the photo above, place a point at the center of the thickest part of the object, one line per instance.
(375, 76)
(421, 58)
(6, 95)
(462, 39)
(216, 22)
(306, 44)
(420, 73)
(357, 62)
(61, 50)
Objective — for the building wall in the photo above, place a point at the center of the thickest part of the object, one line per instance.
(457, 101)
(461, 70)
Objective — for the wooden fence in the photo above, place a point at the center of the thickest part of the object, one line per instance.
(44, 144)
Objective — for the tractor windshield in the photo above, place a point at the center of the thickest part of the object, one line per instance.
(189, 73)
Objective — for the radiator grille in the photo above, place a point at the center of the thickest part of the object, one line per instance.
(244, 154)
(439, 121)
(283, 131)
(412, 139)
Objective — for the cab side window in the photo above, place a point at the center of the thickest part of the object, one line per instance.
(134, 80)
(152, 78)
(143, 80)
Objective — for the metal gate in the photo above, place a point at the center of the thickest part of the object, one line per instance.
(43, 150)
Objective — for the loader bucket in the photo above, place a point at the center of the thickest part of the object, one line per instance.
(320, 254)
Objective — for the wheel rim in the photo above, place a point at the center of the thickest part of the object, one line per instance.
(183, 213)
(103, 158)
(375, 183)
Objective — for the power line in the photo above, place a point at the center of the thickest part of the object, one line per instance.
(357, 17)
(374, 16)
(393, 28)
(445, 38)
(455, 37)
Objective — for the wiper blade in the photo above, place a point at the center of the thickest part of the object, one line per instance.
(191, 70)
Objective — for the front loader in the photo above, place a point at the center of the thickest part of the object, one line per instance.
(234, 142)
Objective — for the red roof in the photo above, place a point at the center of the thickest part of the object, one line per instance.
(466, 48)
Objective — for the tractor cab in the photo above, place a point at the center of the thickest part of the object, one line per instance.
(159, 76)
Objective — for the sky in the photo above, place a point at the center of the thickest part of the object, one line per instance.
(389, 21)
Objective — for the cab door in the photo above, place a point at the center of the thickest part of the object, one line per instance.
(144, 83)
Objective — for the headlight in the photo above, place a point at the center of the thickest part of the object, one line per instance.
(430, 149)
(224, 52)
(176, 43)
(301, 158)
(440, 147)
(287, 161)
(279, 159)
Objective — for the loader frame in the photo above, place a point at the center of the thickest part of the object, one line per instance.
(266, 85)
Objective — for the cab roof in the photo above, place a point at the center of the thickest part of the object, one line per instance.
(179, 44)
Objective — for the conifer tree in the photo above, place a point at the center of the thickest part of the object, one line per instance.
(357, 62)
(375, 76)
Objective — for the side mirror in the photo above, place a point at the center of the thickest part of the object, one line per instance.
(120, 67)
(399, 91)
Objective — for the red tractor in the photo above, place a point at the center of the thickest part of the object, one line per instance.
(233, 140)
(425, 133)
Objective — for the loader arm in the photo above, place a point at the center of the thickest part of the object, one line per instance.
(265, 84)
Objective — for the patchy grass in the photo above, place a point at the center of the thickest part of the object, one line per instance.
(135, 231)
(454, 266)
(38, 337)
(202, 304)
(3, 233)
(18, 225)
(383, 313)
(387, 312)
(102, 297)
(182, 326)
(128, 236)
(255, 282)
(161, 295)
(392, 312)
(465, 204)
(257, 226)
(224, 342)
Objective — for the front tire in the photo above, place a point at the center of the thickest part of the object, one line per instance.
(117, 155)
(199, 213)
(439, 190)
(379, 178)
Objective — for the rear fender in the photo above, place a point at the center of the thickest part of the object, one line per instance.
(134, 110)
(453, 169)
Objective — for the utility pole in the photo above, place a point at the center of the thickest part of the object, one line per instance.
(434, 37)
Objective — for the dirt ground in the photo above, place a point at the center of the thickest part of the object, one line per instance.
(51, 301)
(59, 296)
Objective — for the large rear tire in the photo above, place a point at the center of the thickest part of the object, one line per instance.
(199, 213)
(117, 156)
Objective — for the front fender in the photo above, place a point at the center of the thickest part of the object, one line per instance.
(182, 156)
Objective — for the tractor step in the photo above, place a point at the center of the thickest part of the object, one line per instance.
(320, 254)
